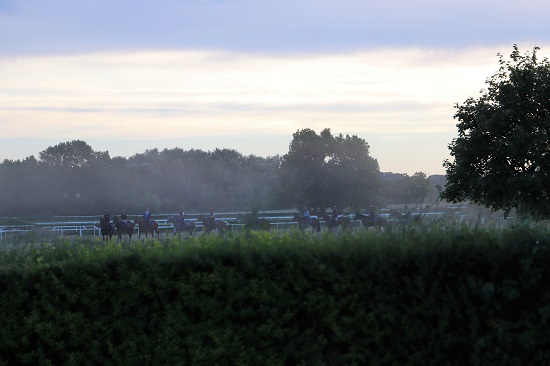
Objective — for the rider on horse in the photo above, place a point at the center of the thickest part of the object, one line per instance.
(107, 225)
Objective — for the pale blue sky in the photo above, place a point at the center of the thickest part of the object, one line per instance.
(126, 76)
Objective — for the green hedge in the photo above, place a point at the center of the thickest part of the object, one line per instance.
(438, 297)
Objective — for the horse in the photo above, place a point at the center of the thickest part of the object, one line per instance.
(304, 223)
(180, 225)
(341, 220)
(253, 222)
(406, 219)
(107, 229)
(123, 226)
(144, 227)
(369, 220)
(209, 225)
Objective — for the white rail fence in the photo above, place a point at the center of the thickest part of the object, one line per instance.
(90, 225)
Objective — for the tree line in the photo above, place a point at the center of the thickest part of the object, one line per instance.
(319, 170)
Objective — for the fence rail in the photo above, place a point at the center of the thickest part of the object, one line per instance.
(89, 225)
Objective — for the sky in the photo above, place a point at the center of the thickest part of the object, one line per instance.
(127, 76)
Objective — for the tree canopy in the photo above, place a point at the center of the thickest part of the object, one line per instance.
(502, 152)
(322, 170)
(72, 179)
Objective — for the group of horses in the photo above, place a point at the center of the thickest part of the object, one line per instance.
(251, 222)
(152, 227)
(127, 227)
(368, 220)
(340, 221)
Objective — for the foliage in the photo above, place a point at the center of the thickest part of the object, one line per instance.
(72, 154)
(325, 170)
(502, 152)
(454, 296)
(401, 188)
(72, 179)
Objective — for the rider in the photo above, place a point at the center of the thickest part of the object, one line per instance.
(181, 215)
(306, 215)
(335, 214)
(107, 217)
(372, 212)
(123, 218)
(147, 217)
(212, 217)
(372, 215)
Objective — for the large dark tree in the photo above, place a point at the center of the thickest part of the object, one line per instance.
(322, 170)
(502, 152)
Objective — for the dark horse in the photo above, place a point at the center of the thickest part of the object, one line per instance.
(144, 227)
(369, 220)
(252, 222)
(209, 225)
(123, 227)
(107, 229)
(406, 219)
(341, 220)
(180, 225)
(304, 223)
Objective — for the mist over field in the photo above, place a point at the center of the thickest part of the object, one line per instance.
(72, 179)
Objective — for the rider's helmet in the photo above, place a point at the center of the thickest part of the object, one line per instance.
(305, 208)
(106, 211)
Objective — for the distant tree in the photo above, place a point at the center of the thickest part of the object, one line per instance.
(322, 170)
(400, 188)
(502, 152)
(71, 154)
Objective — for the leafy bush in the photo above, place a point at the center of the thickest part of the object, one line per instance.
(400, 297)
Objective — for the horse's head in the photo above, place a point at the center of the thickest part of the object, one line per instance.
(358, 216)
